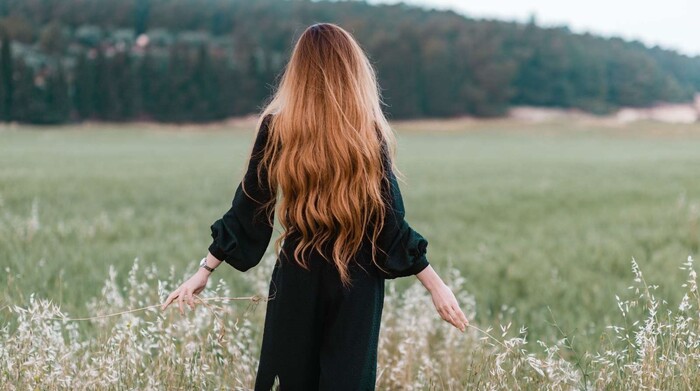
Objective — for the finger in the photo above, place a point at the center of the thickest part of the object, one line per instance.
(453, 318)
(445, 314)
(165, 304)
(169, 299)
(181, 302)
(191, 301)
(458, 317)
(463, 317)
(186, 298)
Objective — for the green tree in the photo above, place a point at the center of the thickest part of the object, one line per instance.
(6, 76)
(84, 83)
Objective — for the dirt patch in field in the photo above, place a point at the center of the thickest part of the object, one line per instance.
(522, 120)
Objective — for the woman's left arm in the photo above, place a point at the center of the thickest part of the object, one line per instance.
(241, 236)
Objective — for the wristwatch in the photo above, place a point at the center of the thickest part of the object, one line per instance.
(203, 263)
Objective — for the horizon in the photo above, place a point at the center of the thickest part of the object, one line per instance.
(649, 26)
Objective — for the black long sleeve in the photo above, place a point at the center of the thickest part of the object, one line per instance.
(406, 249)
(242, 235)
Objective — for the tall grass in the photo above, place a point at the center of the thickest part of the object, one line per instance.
(216, 346)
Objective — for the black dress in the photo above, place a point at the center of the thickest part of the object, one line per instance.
(318, 335)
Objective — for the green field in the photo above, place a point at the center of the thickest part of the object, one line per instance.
(536, 217)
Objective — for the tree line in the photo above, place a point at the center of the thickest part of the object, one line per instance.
(193, 60)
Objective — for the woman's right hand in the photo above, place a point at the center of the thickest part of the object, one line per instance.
(445, 301)
(448, 307)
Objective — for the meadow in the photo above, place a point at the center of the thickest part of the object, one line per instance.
(541, 229)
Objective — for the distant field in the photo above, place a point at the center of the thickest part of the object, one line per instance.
(535, 216)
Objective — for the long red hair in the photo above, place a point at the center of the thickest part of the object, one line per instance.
(323, 155)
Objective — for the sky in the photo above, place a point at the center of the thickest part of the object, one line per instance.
(671, 24)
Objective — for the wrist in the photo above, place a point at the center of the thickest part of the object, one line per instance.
(434, 286)
(430, 279)
(203, 272)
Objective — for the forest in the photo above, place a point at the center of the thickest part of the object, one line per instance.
(197, 61)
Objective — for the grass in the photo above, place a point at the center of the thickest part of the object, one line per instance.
(540, 220)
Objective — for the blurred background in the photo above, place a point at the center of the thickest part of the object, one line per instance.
(546, 145)
(166, 60)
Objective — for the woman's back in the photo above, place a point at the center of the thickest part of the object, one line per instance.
(400, 250)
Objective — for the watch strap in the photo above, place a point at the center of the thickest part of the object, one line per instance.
(203, 264)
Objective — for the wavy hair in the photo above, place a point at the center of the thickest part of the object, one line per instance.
(323, 155)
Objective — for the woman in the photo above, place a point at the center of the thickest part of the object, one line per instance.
(322, 161)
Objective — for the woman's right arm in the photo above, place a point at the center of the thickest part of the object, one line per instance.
(406, 254)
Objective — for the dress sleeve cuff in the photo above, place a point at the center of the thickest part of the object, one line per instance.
(224, 242)
(419, 266)
(420, 260)
(408, 261)
(216, 252)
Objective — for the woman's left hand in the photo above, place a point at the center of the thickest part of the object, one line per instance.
(185, 292)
